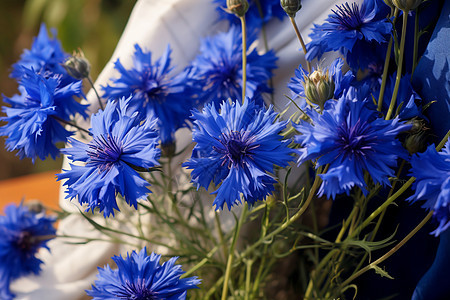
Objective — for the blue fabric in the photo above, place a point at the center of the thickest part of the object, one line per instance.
(432, 81)
(432, 77)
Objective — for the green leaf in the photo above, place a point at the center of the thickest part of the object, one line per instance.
(381, 272)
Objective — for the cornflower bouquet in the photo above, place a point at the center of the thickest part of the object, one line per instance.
(308, 202)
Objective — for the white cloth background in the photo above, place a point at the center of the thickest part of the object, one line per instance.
(70, 269)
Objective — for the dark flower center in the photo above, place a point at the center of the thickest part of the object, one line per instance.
(137, 290)
(104, 152)
(236, 147)
(25, 242)
(154, 89)
(354, 141)
(348, 16)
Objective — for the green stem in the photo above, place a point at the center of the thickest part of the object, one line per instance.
(201, 263)
(244, 57)
(399, 67)
(231, 252)
(299, 36)
(70, 124)
(288, 222)
(416, 41)
(96, 93)
(386, 65)
(221, 236)
(390, 252)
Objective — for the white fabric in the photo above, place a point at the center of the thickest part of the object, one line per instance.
(71, 269)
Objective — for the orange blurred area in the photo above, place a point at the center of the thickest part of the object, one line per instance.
(41, 186)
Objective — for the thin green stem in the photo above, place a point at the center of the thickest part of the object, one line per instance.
(299, 36)
(416, 41)
(390, 252)
(288, 222)
(399, 68)
(244, 57)
(201, 263)
(70, 124)
(231, 251)
(386, 64)
(221, 236)
(96, 93)
(248, 276)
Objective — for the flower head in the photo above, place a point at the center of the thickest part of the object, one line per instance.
(154, 90)
(351, 139)
(140, 276)
(432, 172)
(353, 30)
(236, 148)
(322, 84)
(121, 140)
(255, 16)
(33, 127)
(45, 56)
(219, 67)
(23, 233)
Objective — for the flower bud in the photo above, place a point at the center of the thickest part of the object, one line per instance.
(168, 149)
(291, 7)
(418, 136)
(389, 3)
(319, 88)
(237, 7)
(77, 65)
(406, 5)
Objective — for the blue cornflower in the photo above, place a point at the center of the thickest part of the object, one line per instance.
(45, 56)
(33, 127)
(140, 276)
(23, 233)
(256, 16)
(122, 139)
(237, 148)
(326, 84)
(351, 138)
(432, 172)
(219, 67)
(355, 31)
(154, 90)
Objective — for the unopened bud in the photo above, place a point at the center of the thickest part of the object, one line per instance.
(77, 66)
(406, 5)
(291, 7)
(418, 136)
(35, 206)
(237, 7)
(389, 3)
(168, 149)
(319, 88)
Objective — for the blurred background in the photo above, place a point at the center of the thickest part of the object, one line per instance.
(94, 26)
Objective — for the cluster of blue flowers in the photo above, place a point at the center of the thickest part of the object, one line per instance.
(23, 233)
(238, 141)
(36, 116)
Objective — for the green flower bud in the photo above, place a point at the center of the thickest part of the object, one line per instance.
(291, 7)
(237, 7)
(406, 5)
(389, 3)
(77, 65)
(417, 138)
(319, 88)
